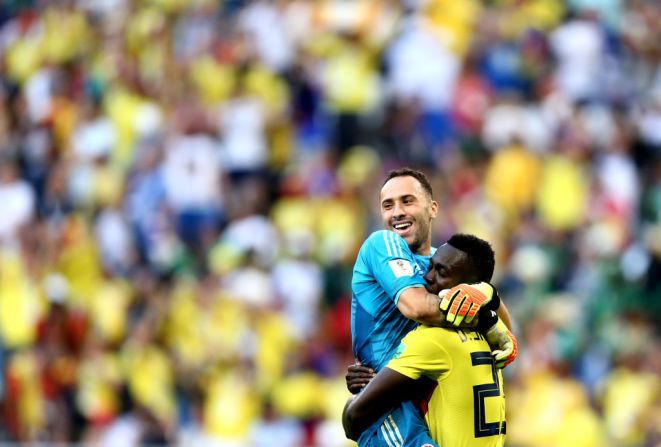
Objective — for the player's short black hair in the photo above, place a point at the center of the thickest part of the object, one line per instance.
(480, 254)
(408, 172)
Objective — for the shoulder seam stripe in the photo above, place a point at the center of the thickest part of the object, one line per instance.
(396, 429)
(386, 435)
(385, 240)
(397, 250)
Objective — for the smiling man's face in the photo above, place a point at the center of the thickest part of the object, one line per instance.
(408, 210)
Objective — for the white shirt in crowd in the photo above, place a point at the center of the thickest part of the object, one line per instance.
(18, 204)
(579, 47)
(242, 127)
(265, 23)
(192, 173)
(421, 67)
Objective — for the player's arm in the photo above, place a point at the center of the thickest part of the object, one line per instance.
(496, 329)
(390, 261)
(416, 303)
(504, 315)
(358, 376)
(385, 391)
(421, 357)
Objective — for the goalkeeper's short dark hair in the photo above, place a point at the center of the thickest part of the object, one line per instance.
(480, 254)
(408, 172)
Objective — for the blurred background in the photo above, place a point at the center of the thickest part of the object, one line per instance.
(184, 185)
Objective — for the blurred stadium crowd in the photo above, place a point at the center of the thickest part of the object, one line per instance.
(184, 185)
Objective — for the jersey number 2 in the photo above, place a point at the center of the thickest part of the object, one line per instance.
(481, 392)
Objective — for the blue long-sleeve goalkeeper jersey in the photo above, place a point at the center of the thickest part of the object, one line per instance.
(384, 268)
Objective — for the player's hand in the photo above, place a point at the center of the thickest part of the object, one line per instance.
(358, 376)
(503, 343)
(461, 303)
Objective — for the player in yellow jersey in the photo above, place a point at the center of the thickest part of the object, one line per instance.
(467, 406)
(450, 372)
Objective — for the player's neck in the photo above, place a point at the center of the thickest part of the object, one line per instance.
(424, 249)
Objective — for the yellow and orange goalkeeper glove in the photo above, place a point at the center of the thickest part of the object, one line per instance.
(462, 302)
(503, 343)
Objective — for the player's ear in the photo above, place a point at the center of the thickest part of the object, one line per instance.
(434, 209)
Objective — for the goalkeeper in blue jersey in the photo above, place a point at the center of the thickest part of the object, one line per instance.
(389, 298)
(463, 400)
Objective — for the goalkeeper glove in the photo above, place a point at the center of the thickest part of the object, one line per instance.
(503, 343)
(463, 301)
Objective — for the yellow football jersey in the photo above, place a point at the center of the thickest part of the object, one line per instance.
(467, 406)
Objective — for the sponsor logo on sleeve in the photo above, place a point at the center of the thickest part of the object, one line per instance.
(401, 267)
